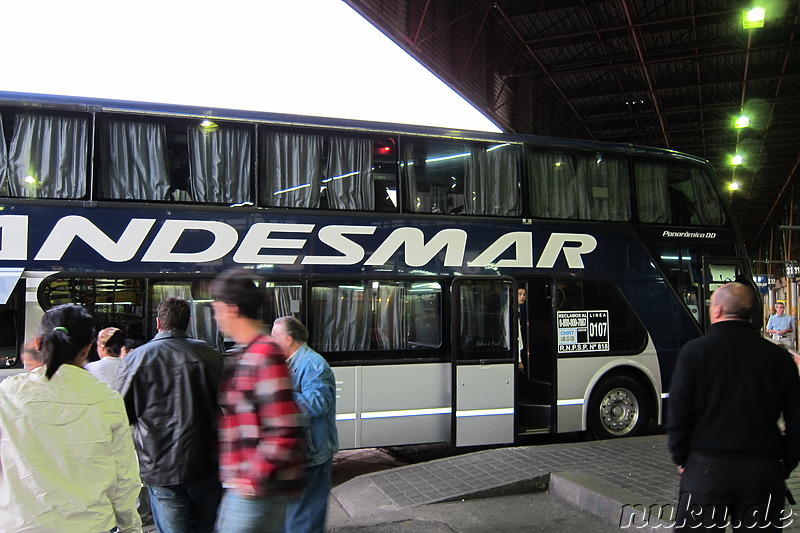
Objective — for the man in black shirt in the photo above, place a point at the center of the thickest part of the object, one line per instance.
(728, 393)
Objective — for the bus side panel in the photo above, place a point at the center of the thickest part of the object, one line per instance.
(579, 375)
(346, 401)
(395, 404)
(485, 404)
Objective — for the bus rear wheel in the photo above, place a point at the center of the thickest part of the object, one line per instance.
(618, 407)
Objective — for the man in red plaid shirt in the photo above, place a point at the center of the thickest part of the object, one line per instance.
(260, 428)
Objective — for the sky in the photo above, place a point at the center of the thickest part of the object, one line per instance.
(307, 57)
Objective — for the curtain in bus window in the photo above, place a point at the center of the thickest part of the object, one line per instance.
(3, 162)
(48, 157)
(485, 317)
(292, 169)
(709, 208)
(424, 316)
(349, 174)
(340, 318)
(219, 163)
(605, 184)
(554, 190)
(410, 177)
(471, 329)
(391, 317)
(492, 181)
(286, 299)
(134, 161)
(652, 194)
(202, 324)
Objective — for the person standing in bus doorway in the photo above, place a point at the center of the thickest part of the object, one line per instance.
(730, 452)
(260, 439)
(781, 326)
(68, 461)
(109, 345)
(315, 394)
(170, 387)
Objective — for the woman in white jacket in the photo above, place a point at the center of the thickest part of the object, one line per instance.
(67, 461)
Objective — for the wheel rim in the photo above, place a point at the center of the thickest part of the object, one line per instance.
(619, 411)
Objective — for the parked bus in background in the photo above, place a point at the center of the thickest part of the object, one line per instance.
(402, 248)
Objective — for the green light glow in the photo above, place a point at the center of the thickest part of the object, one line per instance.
(754, 18)
(742, 122)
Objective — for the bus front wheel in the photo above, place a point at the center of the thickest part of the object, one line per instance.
(618, 407)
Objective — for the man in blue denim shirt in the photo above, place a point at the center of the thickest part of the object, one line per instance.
(315, 394)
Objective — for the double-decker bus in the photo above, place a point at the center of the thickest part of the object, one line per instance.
(404, 249)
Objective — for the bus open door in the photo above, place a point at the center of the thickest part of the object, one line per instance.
(535, 392)
(484, 342)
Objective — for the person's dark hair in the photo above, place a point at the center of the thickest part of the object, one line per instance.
(135, 330)
(293, 327)
(238, 287)
(64, 331)
(131, 344)
(113, 340)
(173, 313)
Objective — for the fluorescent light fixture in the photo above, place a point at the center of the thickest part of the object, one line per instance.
(742, 122)
(754, 18)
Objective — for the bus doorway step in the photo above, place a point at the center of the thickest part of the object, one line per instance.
(533, 418)
(525, 432)
(534, 392)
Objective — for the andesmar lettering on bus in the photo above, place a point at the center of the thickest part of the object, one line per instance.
(262, 238)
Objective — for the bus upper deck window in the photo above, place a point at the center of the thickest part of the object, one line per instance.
(462, 178)
(676, 194)
(342, 172)
(48, 157)
(578, 186)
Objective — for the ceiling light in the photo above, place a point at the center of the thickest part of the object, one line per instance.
(733, 186)
(737, 160)
(754, 18)
(742, 122)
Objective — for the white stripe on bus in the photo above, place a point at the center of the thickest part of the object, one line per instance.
(575, 401)
(485, 412)
(407, 412)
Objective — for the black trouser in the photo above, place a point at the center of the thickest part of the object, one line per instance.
(744, 493)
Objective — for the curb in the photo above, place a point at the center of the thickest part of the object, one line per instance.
(615, 505)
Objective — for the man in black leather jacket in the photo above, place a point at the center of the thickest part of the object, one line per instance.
(728, 392)
(170, 390)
